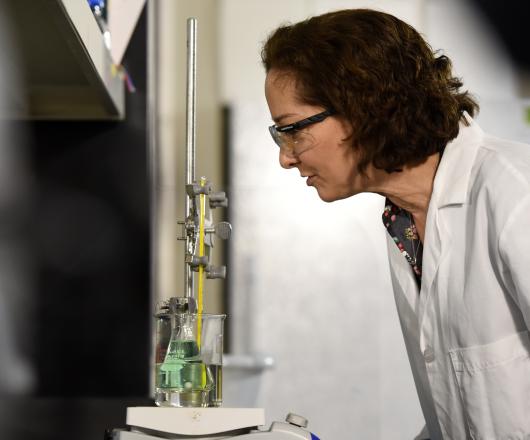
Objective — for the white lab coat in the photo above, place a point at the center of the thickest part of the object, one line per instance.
(466, 332)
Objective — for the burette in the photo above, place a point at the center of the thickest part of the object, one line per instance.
(198, 228)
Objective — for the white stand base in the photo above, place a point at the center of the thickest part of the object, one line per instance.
(152, 423)
(195, 421)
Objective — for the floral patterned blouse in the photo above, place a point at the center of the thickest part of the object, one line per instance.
(400, 225)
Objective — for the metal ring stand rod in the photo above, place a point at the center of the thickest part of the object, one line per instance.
(191, 103)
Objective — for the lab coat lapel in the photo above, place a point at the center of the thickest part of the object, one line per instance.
(434, 251)
(404, 276)
(450, 189)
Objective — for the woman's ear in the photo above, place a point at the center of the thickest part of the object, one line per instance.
(347, 127)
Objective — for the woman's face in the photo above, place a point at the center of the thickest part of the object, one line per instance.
(329, 164)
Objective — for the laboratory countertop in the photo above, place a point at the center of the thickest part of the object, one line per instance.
(45, 418)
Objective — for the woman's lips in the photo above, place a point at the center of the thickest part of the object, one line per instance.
(309, 181)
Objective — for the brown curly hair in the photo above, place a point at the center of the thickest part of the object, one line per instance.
(378, 73)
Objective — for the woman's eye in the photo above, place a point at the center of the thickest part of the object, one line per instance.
(293, 135)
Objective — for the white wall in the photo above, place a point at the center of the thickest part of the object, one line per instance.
(479, 58)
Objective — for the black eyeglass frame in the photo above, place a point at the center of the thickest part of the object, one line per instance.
(319, 117)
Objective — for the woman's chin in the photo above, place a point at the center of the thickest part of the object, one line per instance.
(329, 196)
(326, 196)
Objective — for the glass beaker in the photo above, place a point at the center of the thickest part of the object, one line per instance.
(188, 368)
(212, 354)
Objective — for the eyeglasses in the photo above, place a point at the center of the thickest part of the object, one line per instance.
(293, 141)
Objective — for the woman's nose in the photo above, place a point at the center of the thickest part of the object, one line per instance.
(287, 160)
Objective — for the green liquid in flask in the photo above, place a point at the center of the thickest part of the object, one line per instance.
(182, 368)
(183, 380)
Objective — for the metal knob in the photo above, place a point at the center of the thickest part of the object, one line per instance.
(223, 230)
(178, 304)
(216, 272)
(218, 199)
(295, 419)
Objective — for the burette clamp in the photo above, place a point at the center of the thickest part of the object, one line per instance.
(196, 189)
(194, 261)
(212, 271)
(216, 199)
(189, 228)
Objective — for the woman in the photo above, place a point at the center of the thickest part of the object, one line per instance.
(362, 104)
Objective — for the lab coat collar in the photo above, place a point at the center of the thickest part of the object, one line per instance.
(450, 188)
(452, 178)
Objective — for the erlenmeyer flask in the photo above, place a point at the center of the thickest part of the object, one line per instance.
(182, 378)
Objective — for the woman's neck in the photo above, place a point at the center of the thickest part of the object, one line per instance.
(410, 189)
